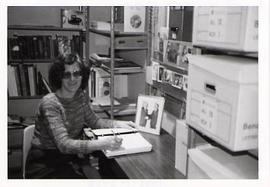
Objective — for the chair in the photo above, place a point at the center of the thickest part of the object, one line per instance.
(27, 139)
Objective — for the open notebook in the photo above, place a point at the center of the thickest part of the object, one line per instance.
(133, 141)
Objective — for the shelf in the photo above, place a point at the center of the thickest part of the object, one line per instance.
(117, 33)
(18, 61)
(125, 71)
(44, 28)
(130, 48)
(25, 97)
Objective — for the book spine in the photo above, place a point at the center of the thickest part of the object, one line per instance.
(18, 80)
(34, 50)
(35, 79)
(41, 48)
(31, 80)
(23, 80)
(12, 87)
(25, 69)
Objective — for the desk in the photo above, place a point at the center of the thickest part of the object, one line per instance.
(157, 164)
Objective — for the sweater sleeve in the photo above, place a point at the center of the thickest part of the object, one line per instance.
(53, 114)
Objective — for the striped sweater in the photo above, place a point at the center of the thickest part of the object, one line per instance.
(60, 121)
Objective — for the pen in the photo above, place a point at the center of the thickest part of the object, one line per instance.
(118, 140)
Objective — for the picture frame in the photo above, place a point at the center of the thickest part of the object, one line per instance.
(161, 73)
(149, 113)
(178, 80)
(176, 52)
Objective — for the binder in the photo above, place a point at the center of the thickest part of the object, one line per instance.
(133, 141)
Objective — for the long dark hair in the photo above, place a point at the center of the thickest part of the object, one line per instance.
(58, 68)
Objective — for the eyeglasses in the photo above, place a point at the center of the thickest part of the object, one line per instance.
(75, 74)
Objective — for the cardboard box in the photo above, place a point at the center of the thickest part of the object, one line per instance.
(231, 28)
(208, 162)
(222, 99)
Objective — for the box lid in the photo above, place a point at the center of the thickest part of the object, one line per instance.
(238, 69)
(219, 164)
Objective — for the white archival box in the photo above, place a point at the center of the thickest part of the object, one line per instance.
(232, 28)
(209, 162)
(222, 99)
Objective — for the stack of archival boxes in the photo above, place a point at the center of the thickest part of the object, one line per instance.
(222, 97)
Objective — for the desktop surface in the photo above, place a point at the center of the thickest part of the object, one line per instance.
(157, 164)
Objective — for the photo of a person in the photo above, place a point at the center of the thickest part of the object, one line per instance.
(161, 73)
(172, 52)
(144, 112)
(154, 117)
(60, 119)
(177, 80)
(168, 76)
(149, 113)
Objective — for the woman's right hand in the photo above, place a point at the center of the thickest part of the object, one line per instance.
(113, 143)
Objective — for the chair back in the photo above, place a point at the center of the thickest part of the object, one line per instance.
(27, 139)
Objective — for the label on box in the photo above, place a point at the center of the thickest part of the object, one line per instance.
(208, 114)
(217, 25)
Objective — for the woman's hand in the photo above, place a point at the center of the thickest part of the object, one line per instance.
(124, 124)
(113, 143)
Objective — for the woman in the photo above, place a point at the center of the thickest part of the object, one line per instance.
(61, 117)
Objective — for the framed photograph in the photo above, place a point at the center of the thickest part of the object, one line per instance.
(161, 73)
(176, 52)
(168, 76)
(155, 66)
(177, 80)
(149, 113)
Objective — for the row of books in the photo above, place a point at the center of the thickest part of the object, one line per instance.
(25, 80)
(42, 46)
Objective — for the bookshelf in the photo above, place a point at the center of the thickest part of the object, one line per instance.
(31, 51)
(131, 46)
(31, 34)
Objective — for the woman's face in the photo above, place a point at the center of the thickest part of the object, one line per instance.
(72, 79)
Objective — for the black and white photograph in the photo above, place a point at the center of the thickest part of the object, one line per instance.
(149, 113)
(203, 61)
(161, 73)
(177, 80)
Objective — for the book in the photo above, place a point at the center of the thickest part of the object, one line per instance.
(12, 85)
(32, 81)
(133, 141)
(121, 65)
(23, 79)
(18, 80)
